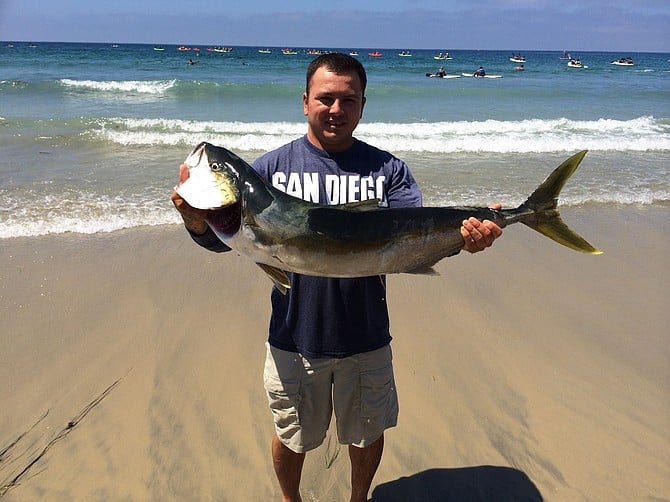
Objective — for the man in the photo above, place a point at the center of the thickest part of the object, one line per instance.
(329, 340)
(479, 72)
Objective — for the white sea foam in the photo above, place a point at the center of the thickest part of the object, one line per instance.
(639, 135)
(81, 216)
(125, 86)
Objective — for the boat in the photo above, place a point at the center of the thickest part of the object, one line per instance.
(405, 54)
(442, 56)
(265, 51)
(353, 53)
(479, 76)
(375, 54)
(517, 58)
(576, 63)
(158, 48)
(445, 76)
(623, 62)
(289, 51)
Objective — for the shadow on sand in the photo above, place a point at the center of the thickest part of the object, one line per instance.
(466, 484)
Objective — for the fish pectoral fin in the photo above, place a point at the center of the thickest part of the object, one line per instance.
(278, 276)
(423, 270)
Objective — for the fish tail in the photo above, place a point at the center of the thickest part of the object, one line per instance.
(541, 213)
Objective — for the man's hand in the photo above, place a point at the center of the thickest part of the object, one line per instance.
(478, 235)
(194, 219)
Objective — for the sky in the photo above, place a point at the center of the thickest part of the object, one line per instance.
(515, 25)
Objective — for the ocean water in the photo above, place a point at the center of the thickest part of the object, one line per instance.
(92, 134)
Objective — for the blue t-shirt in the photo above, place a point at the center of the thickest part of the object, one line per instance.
(332, 317)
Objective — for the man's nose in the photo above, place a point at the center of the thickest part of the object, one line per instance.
(336, 107)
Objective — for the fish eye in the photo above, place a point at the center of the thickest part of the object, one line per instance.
(215, 166)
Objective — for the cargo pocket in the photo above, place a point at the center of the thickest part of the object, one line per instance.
(379, 402)
(283, 394)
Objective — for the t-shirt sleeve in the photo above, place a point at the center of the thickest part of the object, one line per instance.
(403, 190)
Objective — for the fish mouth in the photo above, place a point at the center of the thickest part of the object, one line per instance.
(204, 187)
(195, 157)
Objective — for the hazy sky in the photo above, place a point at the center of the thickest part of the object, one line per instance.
(606, 25)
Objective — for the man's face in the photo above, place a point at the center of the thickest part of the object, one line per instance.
(333, 108)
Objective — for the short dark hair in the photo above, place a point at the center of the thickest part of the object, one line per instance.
(338, 63)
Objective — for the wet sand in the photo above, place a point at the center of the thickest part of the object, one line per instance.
(527, 372)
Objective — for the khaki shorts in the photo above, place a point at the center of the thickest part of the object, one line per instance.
(303, 393)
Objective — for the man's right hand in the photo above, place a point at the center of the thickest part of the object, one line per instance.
(194, 219)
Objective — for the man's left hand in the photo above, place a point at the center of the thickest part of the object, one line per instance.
(478, 235)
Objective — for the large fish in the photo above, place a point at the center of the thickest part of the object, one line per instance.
(284, 233)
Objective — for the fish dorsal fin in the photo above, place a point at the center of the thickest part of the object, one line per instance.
(278, 276)
(364, 205)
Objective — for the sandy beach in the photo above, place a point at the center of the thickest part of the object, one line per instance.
(527, 372)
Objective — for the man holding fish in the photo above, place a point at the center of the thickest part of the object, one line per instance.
(329, 341)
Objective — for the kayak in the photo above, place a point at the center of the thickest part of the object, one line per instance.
(477, 76)
(432, 75)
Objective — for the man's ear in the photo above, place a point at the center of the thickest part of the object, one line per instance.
(304, 103)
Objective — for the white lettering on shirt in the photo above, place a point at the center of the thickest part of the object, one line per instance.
(340, 189)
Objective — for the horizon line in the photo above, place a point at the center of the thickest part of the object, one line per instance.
(322, 46)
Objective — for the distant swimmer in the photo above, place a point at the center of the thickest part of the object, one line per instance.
(479, 72)
(519, 68)
(190, 61)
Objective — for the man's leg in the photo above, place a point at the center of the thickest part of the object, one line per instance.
(364, 463)
(288, 467)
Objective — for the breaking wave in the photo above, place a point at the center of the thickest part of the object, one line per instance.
(642, 134)
(125, 86)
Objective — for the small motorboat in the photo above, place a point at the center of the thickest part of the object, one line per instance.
(576, 63)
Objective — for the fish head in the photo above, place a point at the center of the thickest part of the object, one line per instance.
(211, 180)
